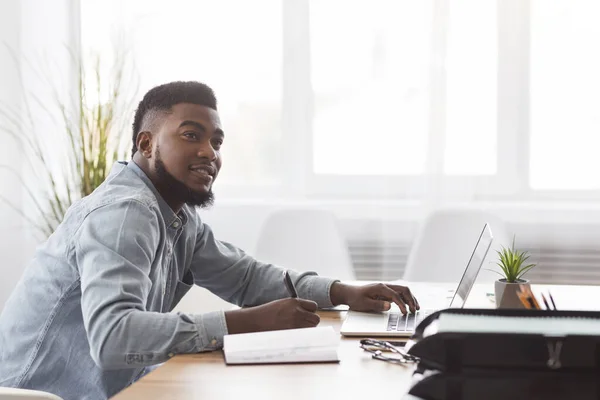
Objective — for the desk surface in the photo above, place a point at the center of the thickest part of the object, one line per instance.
(205, 375)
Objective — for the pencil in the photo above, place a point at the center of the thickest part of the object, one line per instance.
(524, 299)
(536, 304)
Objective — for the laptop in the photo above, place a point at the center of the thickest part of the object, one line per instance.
(394, 323)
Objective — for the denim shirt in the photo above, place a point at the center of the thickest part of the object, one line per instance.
(91, 312)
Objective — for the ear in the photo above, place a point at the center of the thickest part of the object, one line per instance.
(144, 144)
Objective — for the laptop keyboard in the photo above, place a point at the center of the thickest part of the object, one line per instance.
(406, 323)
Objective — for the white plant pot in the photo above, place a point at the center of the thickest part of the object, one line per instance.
(506, 293)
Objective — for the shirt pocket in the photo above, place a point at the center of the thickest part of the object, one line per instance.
(183, 286)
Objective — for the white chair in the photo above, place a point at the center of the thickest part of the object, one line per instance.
(445, 242)
(23, 394)
(305, 240)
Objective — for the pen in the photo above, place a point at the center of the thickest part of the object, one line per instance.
(552, 300)
(287, 280)
(546, 302)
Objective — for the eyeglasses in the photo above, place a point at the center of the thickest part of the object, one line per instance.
(377, 347)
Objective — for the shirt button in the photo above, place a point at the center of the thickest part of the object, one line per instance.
(171, 354)
(213, 342)
(176, 224)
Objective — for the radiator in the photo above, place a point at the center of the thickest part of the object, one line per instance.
(373, 260)
(378, 260)
(565, 266)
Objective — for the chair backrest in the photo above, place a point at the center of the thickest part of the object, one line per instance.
(445, 241)
(305, 240)
(24, 394)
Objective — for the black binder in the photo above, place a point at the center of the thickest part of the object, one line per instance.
(476, 365)
(504, 385)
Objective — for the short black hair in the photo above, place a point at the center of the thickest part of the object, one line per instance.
(163, 97)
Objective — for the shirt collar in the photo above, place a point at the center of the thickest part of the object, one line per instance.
(174, 221)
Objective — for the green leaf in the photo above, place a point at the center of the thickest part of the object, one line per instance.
(91, 126)
(511, 262)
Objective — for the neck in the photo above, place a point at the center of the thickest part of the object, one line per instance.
(165, 191)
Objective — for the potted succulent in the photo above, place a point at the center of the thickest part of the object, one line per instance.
(513, 266)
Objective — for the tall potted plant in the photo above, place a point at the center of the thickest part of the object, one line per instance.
(513, 266)
(91, 136)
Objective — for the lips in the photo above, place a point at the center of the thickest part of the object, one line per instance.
(204, 170)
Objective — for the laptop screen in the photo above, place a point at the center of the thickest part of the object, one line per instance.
(475, 262)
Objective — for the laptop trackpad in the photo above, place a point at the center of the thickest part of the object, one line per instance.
(359, 322)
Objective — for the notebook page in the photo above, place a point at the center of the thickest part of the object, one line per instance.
(318, 354)
(550, 326)
(282, 339)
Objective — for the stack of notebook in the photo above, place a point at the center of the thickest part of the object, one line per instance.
(507, 354)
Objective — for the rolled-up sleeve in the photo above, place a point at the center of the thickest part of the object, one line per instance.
(115, 248)
(240, 279)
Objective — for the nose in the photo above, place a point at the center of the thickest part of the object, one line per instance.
(207, 151)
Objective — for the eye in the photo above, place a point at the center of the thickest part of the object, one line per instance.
(191, 135)
(217, 143)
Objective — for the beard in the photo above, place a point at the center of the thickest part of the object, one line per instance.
(191, 197)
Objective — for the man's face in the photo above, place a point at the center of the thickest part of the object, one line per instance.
(187, 152)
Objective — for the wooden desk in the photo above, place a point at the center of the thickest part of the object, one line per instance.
(205, 375)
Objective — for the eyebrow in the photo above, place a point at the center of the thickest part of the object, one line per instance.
(200, 127)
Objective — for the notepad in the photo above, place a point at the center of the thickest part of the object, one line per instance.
(284, 346)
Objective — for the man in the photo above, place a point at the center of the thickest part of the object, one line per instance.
(91, 312)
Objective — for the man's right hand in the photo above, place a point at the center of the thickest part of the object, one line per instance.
(279, 314)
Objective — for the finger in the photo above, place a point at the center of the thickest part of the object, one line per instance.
(407, 297)
(409, 302)
(376, 305)
(410, 299)
(305, 317)
(416, 302)
(389, 294)
(312, 319)
(308, 305)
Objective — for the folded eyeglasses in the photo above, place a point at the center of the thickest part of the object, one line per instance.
(377, 347)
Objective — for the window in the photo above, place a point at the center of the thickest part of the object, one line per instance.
(383, 98)
(370, 86)
(471, 95)
(565, 95)
(220, 43)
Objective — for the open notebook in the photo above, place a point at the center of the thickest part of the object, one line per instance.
(284, 346)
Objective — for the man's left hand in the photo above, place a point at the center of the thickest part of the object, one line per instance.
(374, 297)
